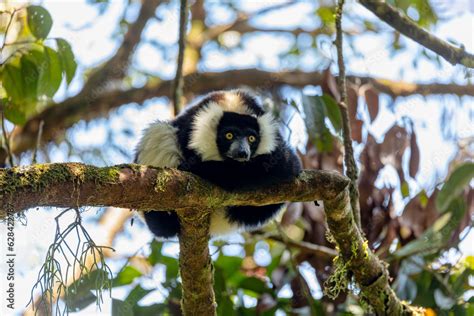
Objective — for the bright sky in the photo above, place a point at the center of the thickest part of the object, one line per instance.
(94, 44)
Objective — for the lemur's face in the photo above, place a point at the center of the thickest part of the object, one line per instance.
(238, 136)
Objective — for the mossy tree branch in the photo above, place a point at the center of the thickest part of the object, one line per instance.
(391, 16)
(140, 187)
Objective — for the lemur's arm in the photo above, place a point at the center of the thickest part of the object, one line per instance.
(280, 165)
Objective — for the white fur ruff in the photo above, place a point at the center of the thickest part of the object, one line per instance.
(159, 146)
(268, 133)
(204, 132)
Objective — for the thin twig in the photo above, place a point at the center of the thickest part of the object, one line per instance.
(38, 141)
(6, 139)
(12, 15)
(304, 286)
(351, 166)
(307, 247)
(178, 81)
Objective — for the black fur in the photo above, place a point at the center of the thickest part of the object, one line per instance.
(280, 165)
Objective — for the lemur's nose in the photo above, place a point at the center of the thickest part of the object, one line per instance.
(242, 154)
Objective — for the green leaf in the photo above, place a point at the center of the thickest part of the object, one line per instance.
(229, 264)
(12, 80)
(68, 61)
(327, 15)
(155, 254)
(438, 235)
(79, 293)
(128, 306)
(171, 267)
(87, 282)
(255, 285)
(136, 294)
(15, 114)
(315, 114)
(79, 302)
(39, 21)
(405, 189)
(30, 76)
(126, 276)
(50, 74)
(121, 308)
(454, 186)
(333, 112)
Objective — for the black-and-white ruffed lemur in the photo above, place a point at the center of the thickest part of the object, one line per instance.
(229, 140)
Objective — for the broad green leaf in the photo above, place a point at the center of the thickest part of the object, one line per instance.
(155, 254)
(327, 15)
(405, 189)
(50, 74)
(30, 76)
(79, 302)
(454, 186)
(136, 294)
(121, 308)
(79, 293)
(219, 283)
(39, 21)
(171, 265)
(126, 276)
(15, 114)
(88, 282)
(12, 80)
(333, 112)
(225, 306)
(68, 61)
(230, 266)
(315, 114)
(437, 236)
(255, 285)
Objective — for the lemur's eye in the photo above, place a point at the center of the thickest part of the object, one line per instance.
(252, 138)
(229, 136)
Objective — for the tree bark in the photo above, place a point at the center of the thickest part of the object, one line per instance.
(195, 264)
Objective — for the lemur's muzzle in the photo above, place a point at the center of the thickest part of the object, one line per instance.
(239, 150)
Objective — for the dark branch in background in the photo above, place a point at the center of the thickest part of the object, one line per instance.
(140, 187)
(116, 67)
(306, 247)
(349, 160)
(58, 117)
(407, 27)
(178, 79)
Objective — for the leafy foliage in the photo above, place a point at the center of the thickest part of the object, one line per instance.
(32, 72)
